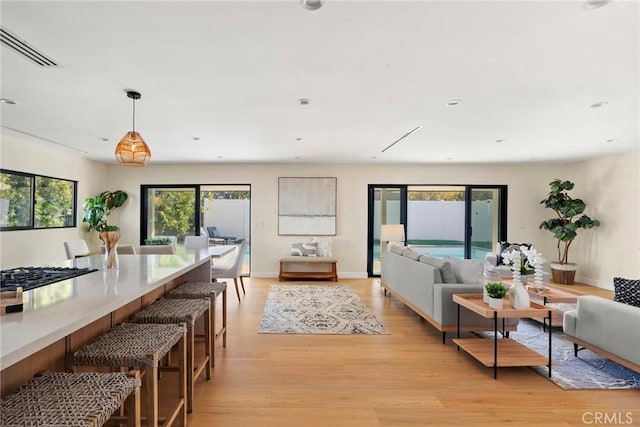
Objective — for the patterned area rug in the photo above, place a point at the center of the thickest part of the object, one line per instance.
(587, 371)
(313, 309)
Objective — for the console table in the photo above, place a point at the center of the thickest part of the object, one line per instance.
(502, 352)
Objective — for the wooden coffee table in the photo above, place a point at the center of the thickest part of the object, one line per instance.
(502, 352)
(550, 294)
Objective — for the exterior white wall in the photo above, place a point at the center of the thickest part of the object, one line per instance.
(609, 185)
(230, 217)
(38, 247)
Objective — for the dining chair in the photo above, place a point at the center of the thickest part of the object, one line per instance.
(122, 249)
(76, 248)
(201, 241)
(157, 249)
(235, 271)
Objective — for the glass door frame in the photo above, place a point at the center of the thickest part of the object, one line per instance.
(144, 205)
(468, 233)
(370, 225)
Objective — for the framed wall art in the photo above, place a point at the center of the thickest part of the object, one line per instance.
(307, 206)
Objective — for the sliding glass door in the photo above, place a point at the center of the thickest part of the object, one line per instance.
(463, 221)
(221, 211)
(387, 206)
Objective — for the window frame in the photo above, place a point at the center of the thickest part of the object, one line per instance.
(32, 177)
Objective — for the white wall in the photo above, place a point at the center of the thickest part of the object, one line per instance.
(38, 247)
(609, 185)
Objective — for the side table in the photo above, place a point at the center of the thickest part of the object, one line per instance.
(503, 352)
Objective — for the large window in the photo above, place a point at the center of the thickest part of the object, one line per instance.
(30, 201)
(463, 221)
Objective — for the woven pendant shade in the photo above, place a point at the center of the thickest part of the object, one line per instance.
(132, 150)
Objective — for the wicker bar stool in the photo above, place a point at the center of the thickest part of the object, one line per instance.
(166, 311)
(72, 399)
(142, 346)
(210, 290)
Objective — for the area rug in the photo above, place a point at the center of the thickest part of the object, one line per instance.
(587, 371)
(314, 309)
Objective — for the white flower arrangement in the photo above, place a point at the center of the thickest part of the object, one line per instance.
(523, 259)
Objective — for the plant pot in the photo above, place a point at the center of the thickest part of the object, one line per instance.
(496, 303)
(563, 274)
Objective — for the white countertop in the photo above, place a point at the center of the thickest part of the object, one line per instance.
(54, 311)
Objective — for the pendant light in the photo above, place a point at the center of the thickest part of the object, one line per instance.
(132, 150)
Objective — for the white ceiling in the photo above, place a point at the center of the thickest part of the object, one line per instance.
(231, 73)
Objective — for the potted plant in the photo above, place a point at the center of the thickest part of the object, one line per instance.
(496, 292)
(569, 219)
(96, 213)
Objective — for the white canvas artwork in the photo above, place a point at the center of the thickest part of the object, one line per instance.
(307, 206)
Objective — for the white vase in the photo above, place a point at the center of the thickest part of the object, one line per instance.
(496, 303)
(518, 296)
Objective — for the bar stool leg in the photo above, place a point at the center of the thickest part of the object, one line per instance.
(182, 379)
(152, 396)
(190, 365)
(133, 405)
(208, 341)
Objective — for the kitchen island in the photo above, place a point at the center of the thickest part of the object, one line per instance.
(60, 317)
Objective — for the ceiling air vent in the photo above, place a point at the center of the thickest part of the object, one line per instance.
(22, 48)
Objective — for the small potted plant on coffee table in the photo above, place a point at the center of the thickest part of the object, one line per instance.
(496, 292)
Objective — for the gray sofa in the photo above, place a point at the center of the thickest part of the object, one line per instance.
(418, 280)
(609, 328)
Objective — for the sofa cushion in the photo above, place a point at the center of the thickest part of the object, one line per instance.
(627, 291)
(397, 249)
(466, 270)
(443, 266)
(410, 253)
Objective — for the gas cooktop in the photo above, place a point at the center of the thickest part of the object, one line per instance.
(34, 277)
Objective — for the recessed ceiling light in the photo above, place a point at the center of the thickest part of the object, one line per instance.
(304, 101)
(610, 140)
(298, 139)
(599, 104)
(594, 4)
(297, 157)
(500, 140)
(374, 157)
(195, 138)
(535, 158)
(312, 4)
(219, 157)
(7, 101)
(449, 158)
(103, 139)
(454, 102)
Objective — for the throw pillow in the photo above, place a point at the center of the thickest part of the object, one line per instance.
(310, 248)
(627, 291)
(297, 249)
(466, 270)
(444, 267)
(324, 245)
(410, 253)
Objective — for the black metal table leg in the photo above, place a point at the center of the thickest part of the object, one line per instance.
(495, 345)
(458, 324)
(550, 329)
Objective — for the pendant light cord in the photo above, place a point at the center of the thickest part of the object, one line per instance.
(134, 114)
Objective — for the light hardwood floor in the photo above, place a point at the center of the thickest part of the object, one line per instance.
(406, 378)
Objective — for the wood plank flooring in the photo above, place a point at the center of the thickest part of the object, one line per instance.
(406, 378)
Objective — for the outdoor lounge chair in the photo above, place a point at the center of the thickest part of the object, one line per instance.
(215, 237)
